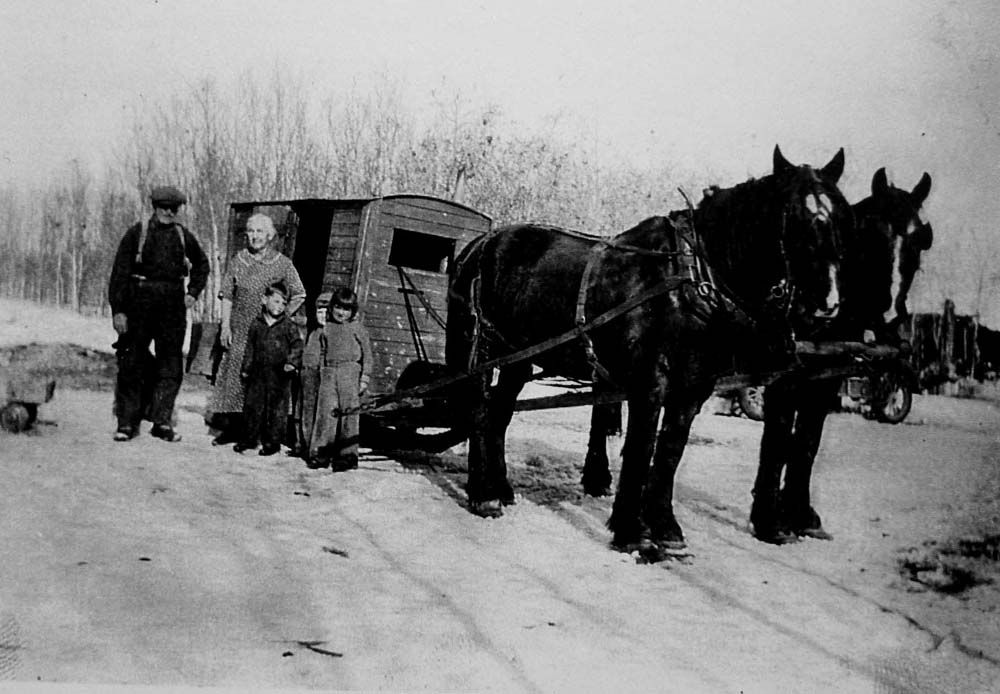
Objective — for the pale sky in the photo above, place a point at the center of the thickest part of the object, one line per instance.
(708, 87)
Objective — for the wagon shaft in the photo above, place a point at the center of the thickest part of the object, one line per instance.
(832, 348)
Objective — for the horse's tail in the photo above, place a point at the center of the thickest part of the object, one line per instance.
(462, 278)
(466, 268)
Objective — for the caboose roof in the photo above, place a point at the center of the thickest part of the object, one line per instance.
(354, 202)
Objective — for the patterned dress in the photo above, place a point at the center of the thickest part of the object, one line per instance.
(249, 274)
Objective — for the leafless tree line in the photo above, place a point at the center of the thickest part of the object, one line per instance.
(281, 139)
(278, 139)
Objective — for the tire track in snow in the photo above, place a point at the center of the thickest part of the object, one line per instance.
(601, 619)
(719, 589)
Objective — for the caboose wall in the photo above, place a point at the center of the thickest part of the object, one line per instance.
(421, 236)
(345, 247)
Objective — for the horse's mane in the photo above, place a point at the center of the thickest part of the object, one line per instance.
(736, 222)
(566, 231)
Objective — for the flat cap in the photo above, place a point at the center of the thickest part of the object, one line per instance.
(167, 195)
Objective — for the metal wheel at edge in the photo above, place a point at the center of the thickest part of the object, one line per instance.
(893, 400)
(15, 417)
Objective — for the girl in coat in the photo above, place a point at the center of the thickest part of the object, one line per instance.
(336, 371)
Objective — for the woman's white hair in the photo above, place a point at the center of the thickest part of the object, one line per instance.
(265, 221)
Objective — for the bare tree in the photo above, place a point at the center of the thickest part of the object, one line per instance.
(368, 138)
(254, 139)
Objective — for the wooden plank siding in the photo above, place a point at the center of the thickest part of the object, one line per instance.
(386, 318)
(401, 342)
(385, 312)
(443, 212)
(342, 252)
(385, 288)
(436, 223)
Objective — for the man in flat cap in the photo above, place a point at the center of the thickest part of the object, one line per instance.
(149, 304)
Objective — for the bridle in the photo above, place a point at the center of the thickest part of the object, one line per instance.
(777, 302)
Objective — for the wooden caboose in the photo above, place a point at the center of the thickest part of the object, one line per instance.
(394, 251)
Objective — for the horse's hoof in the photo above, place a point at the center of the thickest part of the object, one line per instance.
(805, 522)
(675, 547)
(664, 550)
(487, 509)
(775, 536)
(597, 491)
(658, 556)
(646, 551)
(817, 533)
(637, 548)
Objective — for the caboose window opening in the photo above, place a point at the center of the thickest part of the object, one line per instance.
(418, 251)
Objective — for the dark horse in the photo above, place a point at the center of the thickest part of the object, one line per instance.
(764, 261)
(878, 273)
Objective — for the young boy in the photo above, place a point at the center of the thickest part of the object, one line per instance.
(344, 361)
(273, 354)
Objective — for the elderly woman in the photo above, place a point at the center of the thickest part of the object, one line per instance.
(250, 271)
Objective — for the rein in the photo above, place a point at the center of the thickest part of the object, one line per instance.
(780, 296)
(576, 332)
(692, 268)
(597, 251)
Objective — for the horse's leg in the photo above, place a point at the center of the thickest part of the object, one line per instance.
(796, 507)
(775, 444)
(503, 397)
(679, 411)
(605, 419)
(476, 401)
(657, 513)
(629, 531)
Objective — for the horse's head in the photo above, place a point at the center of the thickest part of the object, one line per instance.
(816, 225)
(892, 234)
(777, 244)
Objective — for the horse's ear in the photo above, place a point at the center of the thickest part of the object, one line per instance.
(780, 163)
(922, 189)
(835, 168)
(880, 183)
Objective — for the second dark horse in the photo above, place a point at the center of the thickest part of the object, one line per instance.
(766, 262)
(891, 235)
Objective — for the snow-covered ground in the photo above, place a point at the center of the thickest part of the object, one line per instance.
(171, 565)
(22, 323)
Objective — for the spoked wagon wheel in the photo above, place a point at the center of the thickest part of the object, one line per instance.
(892, 399)
(15, 417)
(752, 402)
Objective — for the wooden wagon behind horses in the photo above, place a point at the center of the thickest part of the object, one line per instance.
(767, 253)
